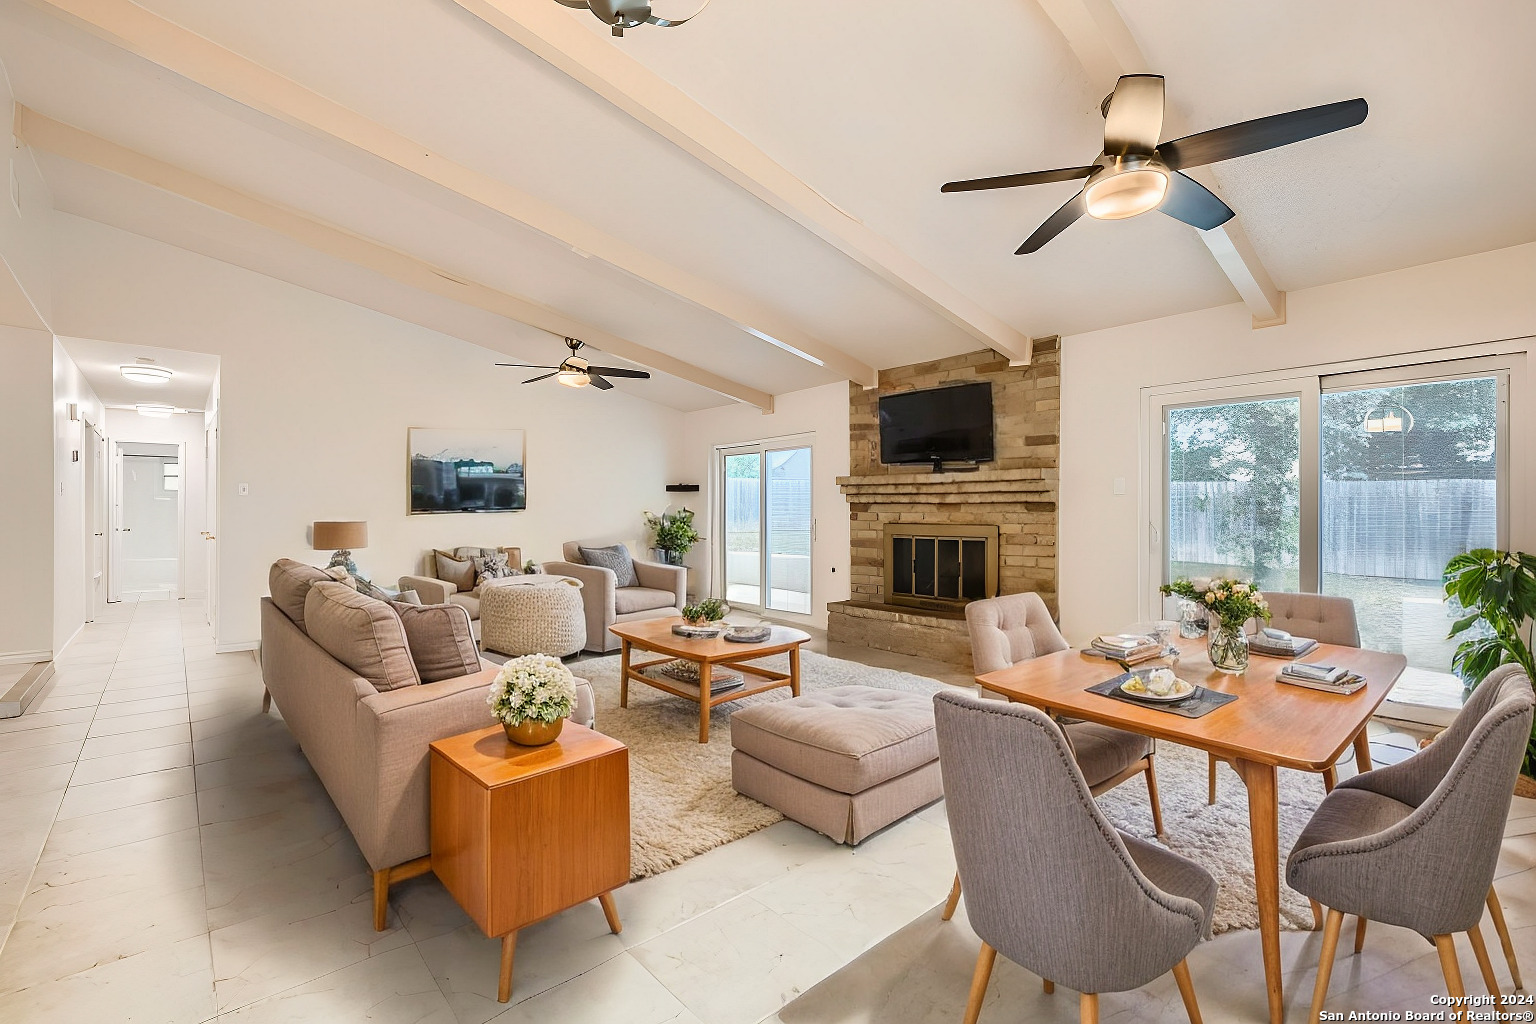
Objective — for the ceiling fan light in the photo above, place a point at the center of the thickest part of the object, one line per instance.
(1116, 196)
(145, 373)
(573, 378)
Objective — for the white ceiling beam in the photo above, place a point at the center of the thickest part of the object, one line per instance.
(199, 60)
(44, 133)
(553, 34)
(1103, 43)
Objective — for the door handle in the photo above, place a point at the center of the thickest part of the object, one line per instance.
(127, 529)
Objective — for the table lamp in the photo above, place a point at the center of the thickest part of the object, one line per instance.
(343, 537)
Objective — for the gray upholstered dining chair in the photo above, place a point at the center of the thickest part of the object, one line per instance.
(1017, 627)
(1415, 844)
(1052, 885)
(1326, 619)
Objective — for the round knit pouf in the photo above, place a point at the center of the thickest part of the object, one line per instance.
(533, 618)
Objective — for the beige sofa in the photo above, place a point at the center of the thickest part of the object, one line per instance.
(433, 590)
(662, 592)
(369, 747)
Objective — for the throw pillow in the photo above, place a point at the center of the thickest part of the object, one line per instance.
(492, 567)
(365, 635)
(459, 572)
(288, 582)
(615, 557)
(442, 645)
(409, 597)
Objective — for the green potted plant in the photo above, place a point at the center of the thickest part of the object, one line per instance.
(674, 533)
(531, 697)
(702, 613)
(1497, 592)
(1229, 604)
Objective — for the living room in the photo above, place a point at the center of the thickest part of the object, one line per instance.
(343, 238)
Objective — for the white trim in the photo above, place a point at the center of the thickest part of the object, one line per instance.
(25, 657)
(71, 639)
(244, 645)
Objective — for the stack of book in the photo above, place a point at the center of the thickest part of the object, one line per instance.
(1131, 648)
(1328, 678)
(1275, 647)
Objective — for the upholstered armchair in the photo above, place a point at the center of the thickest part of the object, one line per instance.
(661, 594)
(1051, 884)
(1416, 844)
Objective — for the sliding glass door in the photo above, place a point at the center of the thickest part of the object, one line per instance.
(766, 539)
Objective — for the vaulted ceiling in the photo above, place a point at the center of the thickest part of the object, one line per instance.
(419, 159)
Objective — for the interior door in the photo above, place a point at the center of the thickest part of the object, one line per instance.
(210, 538)
(96, 521)
(115, 523)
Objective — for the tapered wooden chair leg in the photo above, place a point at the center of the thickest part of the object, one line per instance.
(1187, 991)
(1210, 796)
(1360, 934)
(266, 701)
(1049, 986)
(1325, 962)
(381, 900)
(1088, 1008)
(1157, 804)
(1449, 967)
(1330, 778)
(1317, 914)
(979, 981)
(954, 898)
(1497, 913)
(1475, 936)
(610, 912)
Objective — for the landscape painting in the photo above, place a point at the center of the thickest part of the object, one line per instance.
(466, 470)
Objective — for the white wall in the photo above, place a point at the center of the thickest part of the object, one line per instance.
(1487, 297)
(315, 399)
(25, 232)
(71, 583)
(821, 412)
(185, 429)
(26, 512)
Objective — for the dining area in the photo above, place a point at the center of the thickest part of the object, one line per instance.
(1043, 768)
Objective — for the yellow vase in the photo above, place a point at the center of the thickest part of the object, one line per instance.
(533, 733)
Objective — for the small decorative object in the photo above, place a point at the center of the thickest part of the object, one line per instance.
(343, 537)
(531, 697)
(688, 632)
(748, 634)
(1228, 605)
(492, 567)
(466, 470)
(710, 609)
(531, 569)
(1497, 594)
(1191, 620)
(674, 533)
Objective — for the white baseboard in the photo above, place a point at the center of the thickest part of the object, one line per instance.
(72, 638)
(25, 657)
(244, 645)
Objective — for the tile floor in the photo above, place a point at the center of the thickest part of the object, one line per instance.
(167, 855)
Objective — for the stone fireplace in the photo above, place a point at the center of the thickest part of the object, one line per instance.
(925, 543)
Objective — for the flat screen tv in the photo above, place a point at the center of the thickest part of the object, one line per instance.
(952, 424)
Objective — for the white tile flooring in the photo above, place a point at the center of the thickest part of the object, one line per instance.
(167, 855)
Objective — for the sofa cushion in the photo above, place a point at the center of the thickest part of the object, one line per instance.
(847, 738)
(469, 602)
(615, 557)
(288, 582)
(641, 599)
(441, 640)
(363, 634)
(451, 569)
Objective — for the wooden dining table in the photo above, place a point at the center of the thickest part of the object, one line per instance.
(1271, 725)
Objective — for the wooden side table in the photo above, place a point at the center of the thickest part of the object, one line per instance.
(521, 833)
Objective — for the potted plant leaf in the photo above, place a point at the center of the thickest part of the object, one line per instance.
(1497, 594)
(674, 533)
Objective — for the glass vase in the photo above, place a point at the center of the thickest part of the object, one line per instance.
(1227, 647)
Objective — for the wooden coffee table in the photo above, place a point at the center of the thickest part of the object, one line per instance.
(655, 636)
(521, 833)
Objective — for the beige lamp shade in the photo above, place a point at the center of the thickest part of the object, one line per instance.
(340, 536)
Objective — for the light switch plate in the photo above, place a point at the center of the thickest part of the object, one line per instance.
(1119, 485)
(242, 489)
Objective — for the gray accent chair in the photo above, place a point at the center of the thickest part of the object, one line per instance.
(662, 593)
(1052, 885)
(1415, 844)
(1328, 620)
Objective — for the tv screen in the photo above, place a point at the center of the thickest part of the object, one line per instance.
(952, 424)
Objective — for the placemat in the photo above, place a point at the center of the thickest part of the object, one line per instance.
(1198, 704)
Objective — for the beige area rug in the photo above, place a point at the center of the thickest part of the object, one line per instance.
(681, 800)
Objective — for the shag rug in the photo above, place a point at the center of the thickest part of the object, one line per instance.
(681, 803)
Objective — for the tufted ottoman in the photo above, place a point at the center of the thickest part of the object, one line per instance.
(846, 761)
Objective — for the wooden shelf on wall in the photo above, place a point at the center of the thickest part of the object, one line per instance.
(682, 488)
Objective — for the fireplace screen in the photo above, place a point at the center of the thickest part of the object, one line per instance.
(947, 565)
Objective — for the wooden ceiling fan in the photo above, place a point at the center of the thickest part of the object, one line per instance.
(576, 372)
(1136, 174)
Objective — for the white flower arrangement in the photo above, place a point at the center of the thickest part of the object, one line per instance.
(536, 687)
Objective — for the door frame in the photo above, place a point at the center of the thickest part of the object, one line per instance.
(115, 550)
(762, 449)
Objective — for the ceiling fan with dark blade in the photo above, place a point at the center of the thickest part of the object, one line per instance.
(1136, 173)
(576, 372)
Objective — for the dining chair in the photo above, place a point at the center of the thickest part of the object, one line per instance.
(1326, 619)
(1052, 885)
(1415, 844)
(1017, 627)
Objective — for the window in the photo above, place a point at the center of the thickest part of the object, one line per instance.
(1362, 485)
(766, 539)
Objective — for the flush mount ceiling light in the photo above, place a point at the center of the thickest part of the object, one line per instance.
(1136, 173)
(622, 14)
(156, 409)
(146, 373)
